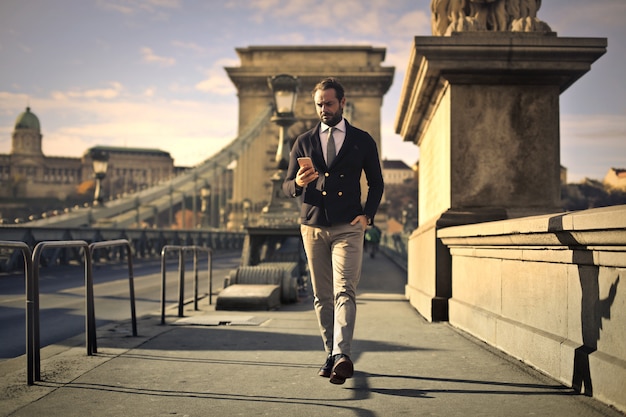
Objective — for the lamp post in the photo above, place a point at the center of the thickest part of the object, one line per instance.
(223, 220)
(348, 111)
(408, 218)
(205, 195)
(285, 90)
(281, 211)
(247, 204)
(100, 160)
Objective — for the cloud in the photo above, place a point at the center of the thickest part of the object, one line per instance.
(583, 16)
(264, 6)
(114, 6)
(591, 144)
(293, 38)
(25, 48)
(178, 88)
(216, 80)
(131, 7)
(416, 22)
(97, 93)
(172, 4)
(189, 46)
(10, 102)
(149, 56)
(594, 129)
(215, 83)
(149, 92)
(189, 130)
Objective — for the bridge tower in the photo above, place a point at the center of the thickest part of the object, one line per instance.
(360, 70)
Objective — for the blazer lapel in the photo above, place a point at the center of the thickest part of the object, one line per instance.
(316, 153)
(348, 143)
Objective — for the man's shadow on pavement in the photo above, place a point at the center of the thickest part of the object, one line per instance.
(458, 386)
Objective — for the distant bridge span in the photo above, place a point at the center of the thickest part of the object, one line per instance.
(140, 206)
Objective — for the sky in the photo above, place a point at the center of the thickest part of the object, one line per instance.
(150, 73)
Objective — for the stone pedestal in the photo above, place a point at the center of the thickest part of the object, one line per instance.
(484, 110)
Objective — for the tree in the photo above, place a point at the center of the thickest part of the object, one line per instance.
(399, 197)
(589, 194)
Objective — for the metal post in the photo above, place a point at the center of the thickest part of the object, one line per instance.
(210, 266)
(181, 281)
(131, 284)
(183, 209)
(131, 288)
(28, 273)
(163, 267)
(171, 211)
(195, 278)
(90, 316)
(90, 322)
(194, 203)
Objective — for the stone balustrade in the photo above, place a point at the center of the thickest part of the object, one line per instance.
(549, 290)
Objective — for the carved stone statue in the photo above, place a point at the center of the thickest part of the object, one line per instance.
(485, 15)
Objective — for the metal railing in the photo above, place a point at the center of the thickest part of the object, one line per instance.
(34, 359)
(131, 278)
(32, 262)
(181, 276)
(145, 243)
(30, 304)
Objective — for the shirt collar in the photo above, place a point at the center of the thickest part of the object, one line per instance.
(341, 126)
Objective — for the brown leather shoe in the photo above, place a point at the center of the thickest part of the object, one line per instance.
(327, 368)
(343, 369)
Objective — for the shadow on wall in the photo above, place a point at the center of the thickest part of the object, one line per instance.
(592, 310)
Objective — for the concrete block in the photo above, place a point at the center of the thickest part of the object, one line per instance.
(477, 282)
(249, 297)
(535, 294)
(608, 378)
(477, 322)
(533, 346)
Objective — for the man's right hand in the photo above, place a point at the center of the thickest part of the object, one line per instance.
(306, 175)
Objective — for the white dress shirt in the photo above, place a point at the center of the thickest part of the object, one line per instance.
(339, 135)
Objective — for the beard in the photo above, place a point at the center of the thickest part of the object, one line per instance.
(336, 118)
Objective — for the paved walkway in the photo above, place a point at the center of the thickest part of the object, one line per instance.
(265, 363)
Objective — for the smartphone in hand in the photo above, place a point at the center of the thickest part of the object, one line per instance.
(305, 161)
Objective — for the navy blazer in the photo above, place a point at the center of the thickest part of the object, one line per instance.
(335, 198)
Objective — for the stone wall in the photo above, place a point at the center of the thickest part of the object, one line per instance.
(549, 290)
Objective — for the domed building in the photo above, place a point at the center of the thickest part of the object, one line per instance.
(26, 135)
(27, 173)
(26, 122)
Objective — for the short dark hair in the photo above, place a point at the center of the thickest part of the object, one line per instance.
(328, 83)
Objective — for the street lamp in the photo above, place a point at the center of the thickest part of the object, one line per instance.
(285, 90)
(100, 160)
(281, 211)
(223, 220)
(348, 111)
(247, 205)
(205, 195)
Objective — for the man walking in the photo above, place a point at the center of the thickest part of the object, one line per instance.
(333, 219)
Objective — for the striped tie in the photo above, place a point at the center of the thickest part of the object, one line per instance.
(331, 152)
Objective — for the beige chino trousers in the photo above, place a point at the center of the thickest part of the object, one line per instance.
(335, 256)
